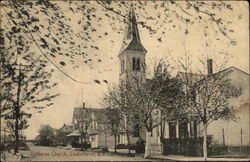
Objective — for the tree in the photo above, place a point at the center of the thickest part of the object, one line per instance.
(153, 100)
(46, 135)
(113, 120)
(156, 99)
(82, 124)
(208, 99)
(121, 100)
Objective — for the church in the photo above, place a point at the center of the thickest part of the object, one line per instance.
(132, 57)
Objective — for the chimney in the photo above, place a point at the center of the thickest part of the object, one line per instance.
(209, 66)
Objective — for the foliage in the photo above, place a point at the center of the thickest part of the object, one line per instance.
(46, 135)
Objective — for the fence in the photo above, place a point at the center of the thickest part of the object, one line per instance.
(185, 146)
(194, 147)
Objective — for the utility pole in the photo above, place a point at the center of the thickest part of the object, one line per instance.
(17, 105)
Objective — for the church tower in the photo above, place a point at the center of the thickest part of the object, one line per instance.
(132, 53)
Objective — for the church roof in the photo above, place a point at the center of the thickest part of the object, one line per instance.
(198, 78)
(131, 40)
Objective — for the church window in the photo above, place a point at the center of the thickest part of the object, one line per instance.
(138, 64)
(183, 130)
(172, 130)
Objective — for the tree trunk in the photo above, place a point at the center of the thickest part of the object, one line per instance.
(147, 145)
(115, 142)
(205, 141)
(129, 152)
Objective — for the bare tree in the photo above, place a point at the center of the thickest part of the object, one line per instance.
(82, 123)
(121, 98)
(156, 99)
(208, 99)
(113, 121)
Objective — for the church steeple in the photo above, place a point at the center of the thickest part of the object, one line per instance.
(131, 40)
(132, 53)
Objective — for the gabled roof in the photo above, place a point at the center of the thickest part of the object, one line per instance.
(86, 113)
(80, 113)
(131, 40)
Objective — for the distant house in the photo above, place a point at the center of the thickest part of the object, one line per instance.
(61, 134)
(96, 130)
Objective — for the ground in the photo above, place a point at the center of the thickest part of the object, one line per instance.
(43, 153)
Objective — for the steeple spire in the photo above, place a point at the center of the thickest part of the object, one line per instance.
(131, 40)
(132, 29)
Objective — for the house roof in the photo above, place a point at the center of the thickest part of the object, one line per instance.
(81, 113)
(66, 128)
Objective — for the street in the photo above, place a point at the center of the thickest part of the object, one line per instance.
(43, 153)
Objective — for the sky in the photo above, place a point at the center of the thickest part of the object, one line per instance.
(174, 45)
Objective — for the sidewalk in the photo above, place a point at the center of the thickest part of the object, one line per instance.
(187, 158)
(178, 157)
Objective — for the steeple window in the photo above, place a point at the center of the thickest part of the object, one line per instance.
(136, 65)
